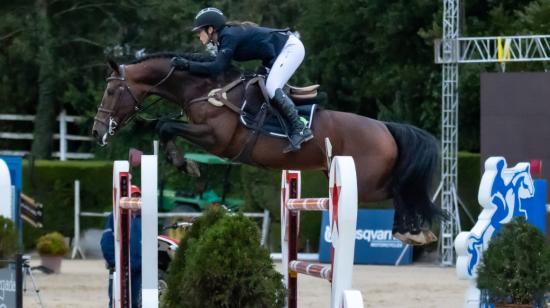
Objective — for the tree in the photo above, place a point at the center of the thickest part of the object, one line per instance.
(45, 112)
(373, 57)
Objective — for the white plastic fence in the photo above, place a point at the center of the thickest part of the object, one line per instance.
(62, 136)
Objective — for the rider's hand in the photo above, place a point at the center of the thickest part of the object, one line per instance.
(180, 63)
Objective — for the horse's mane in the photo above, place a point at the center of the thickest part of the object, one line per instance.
(197, 57)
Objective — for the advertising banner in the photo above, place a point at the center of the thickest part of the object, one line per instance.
(374, 242)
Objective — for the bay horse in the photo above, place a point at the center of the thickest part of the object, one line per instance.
(392, 160)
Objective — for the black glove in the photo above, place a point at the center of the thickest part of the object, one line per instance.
(180, 63)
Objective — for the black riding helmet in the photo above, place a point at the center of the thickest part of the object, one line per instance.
(209, 16)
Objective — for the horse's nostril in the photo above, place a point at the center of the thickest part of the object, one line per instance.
(95, 133)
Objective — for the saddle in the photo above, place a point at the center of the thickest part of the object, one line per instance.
(301, 93)
(256, 112)
(272, 123)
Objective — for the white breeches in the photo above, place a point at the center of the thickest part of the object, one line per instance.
(285, 65)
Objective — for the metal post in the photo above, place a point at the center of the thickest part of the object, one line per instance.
(398, 262)
(76, 239)
(449, 129)
(19, 280)
(63, 135)
(156, 147)
(265, 228)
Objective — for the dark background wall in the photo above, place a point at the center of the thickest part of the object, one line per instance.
(515, 117)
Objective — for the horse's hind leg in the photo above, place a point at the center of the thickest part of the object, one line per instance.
(418, 156)
(408, 222)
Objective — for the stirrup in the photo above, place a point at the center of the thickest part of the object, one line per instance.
(292, 147)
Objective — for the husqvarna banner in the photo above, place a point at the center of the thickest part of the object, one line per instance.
(374, 242)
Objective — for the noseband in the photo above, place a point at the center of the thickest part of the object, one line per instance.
(112, 124)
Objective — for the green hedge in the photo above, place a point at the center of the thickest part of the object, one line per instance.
(469, 176)
(52, 182)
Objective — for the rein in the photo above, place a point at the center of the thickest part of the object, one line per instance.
(113, 124)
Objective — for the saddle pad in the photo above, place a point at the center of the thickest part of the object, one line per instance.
(272, 124)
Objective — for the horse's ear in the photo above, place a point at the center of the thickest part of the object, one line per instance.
(113, 65)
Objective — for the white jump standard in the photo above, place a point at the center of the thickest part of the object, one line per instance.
(342, 207)
(122, 207)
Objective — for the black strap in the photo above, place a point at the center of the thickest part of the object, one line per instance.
(245, 155)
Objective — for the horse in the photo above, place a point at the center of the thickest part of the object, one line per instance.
(393, 160)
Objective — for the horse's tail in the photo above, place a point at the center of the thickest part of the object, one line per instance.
(418, 155)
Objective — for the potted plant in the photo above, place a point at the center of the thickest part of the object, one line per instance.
(515, 269)
(51, 248)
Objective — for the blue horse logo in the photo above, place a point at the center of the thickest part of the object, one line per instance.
(504, 193)
(506, 197)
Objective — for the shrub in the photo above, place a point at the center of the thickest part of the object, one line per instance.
(516, 266)
(8, 238)
(52, 244)
(220, 263)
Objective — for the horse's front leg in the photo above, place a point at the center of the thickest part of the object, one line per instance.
(196, 133)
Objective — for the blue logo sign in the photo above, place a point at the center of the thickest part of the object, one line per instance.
(504, 193)
(374, 242)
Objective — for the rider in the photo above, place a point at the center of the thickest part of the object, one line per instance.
(279, 50)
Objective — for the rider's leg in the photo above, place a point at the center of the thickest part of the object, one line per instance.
(284, 67)
(298, 131)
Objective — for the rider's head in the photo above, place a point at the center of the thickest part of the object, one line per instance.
(207, 23)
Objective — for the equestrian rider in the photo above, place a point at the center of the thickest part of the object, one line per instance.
(279, 50)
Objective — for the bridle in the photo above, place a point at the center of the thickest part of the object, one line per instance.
(112, 124)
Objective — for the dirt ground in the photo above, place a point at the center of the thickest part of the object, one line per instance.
(83, 283)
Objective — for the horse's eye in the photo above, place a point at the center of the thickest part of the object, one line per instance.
(110, 91)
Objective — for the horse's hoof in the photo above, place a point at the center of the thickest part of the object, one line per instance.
(430, 236)
(423, 238)
(174, 155)
(406, 238)
(192, 168)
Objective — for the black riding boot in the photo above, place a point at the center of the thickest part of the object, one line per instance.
(298, 131)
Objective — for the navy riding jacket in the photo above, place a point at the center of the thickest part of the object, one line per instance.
(243, 43)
